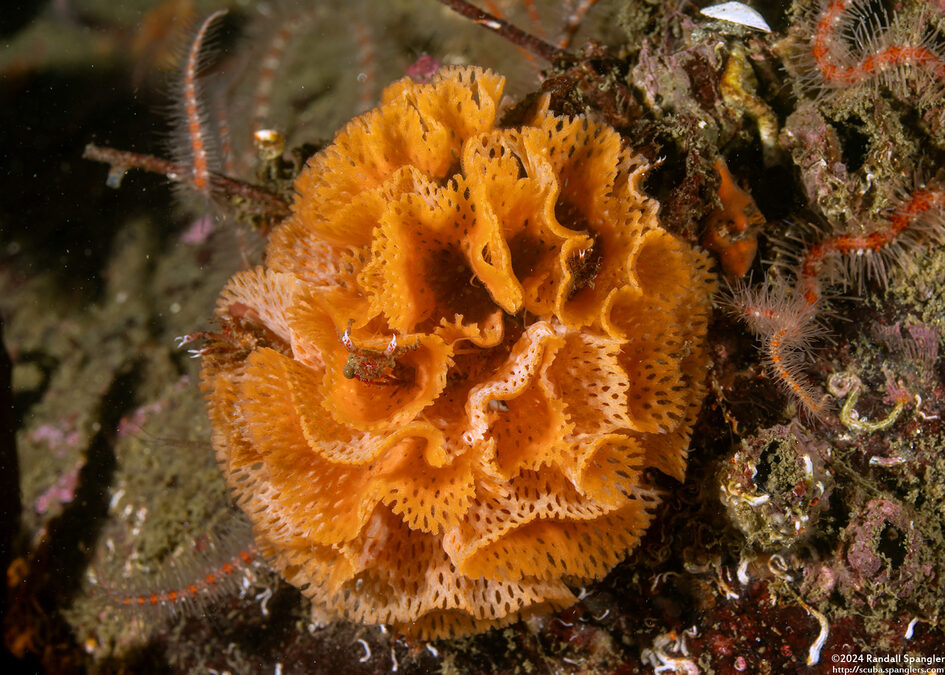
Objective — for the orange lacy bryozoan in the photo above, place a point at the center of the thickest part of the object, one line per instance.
(438, 397)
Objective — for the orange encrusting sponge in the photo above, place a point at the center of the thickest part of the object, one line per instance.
(437, 400)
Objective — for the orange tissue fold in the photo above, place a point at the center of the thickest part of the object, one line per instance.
(437, 399)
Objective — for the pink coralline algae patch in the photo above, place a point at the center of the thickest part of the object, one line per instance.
(56, 437)
(61, 492)
(198, 232)
(133, 423)
(423, 69)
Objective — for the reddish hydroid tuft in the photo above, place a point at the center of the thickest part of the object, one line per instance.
(214, 567)
(845, 43)
(786, 323)
(784, 317)
(850, 258)
(272, 59)
(201, 153)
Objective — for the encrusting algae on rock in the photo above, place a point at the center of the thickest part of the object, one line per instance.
(437, 400)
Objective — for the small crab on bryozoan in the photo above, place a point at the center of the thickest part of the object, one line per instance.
(375, 366)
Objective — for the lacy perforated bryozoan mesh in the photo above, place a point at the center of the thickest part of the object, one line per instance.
(437, 399)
